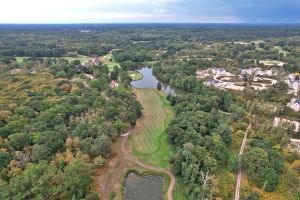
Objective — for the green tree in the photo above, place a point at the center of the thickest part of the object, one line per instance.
(77, 179)
(269, 179)
(159, 86)
(5, 158)
(20, 140)
(76, 62)
(114, 75)
(35, 183)
(101, 146)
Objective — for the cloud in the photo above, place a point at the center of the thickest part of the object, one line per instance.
(159, 11)
(78, 11)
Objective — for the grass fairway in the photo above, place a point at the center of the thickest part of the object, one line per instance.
(280, 49)
(83, 59)
(150, 142)
(135, 75)
(109, 60)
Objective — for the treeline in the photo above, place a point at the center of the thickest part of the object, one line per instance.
(200, 133)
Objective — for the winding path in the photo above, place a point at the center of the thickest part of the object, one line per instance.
(130, 157)
(239, 176)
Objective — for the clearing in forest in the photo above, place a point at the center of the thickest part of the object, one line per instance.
(109, 60)
(149, 140)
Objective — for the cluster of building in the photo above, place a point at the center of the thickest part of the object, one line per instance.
(279, 121)
(294, 104)
(272, 63)
(220, 78)
(294, 143)
(92, 62)
(294, 85)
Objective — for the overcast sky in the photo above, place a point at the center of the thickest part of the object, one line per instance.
(115, 11)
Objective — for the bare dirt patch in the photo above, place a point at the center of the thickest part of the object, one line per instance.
(110, 178)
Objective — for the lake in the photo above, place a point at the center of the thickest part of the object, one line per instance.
(150, 81)
(150, 187)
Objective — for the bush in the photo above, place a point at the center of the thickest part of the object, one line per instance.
(99, 161)
(240, 133)
(5, 158)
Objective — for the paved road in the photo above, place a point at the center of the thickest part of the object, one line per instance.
(148, 167)
(239, 176)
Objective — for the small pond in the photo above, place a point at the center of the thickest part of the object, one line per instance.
(150, 187)
(150, 81)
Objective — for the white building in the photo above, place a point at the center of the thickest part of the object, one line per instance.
(293, 83)
(295, 104)
(279, 121)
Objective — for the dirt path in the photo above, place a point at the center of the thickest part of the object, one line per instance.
(130, 157)
(110, 178)
(239, 176)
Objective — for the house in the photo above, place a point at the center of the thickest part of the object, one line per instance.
(278, 121)
(295, 145)
(113, 84)
(89, 76)
(294, 104)
(211, 82)
(294, 83)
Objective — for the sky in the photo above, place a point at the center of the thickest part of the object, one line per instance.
(138, 11)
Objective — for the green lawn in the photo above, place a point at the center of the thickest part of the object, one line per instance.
(20, 59)
(82, 59)
(280, 49)
(109, 60)
(150, 143)
(135, 75)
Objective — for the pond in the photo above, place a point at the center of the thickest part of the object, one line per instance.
(150, 81)
(150, 187)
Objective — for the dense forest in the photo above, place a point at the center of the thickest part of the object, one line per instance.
(55, 130)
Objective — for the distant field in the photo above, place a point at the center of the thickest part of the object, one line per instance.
(135, 75)
(281, 50)
(82, 59)
(20, 59)
(151, 144)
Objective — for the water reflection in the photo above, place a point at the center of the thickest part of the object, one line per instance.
(144, 187)
(150, 81)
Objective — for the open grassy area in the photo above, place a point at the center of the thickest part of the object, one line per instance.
(109, 60)
(150, 143)
(20, 59)
(82, 59)
(135, 75)
(280, 49)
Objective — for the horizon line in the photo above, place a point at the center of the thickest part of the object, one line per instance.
(108, 23)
